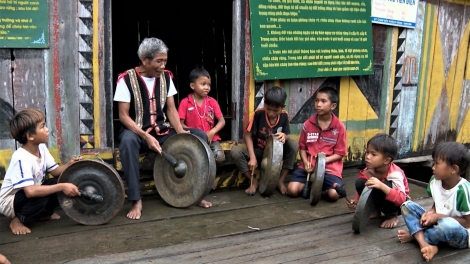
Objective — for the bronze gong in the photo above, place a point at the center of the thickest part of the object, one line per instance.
(101, 189)
(317, 178)
(271, 166)
(185, 171)
(365, 207)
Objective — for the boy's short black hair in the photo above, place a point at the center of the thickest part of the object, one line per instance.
(275, 96)
(25, 122)
(198, 72)
(384, 144)
(452, 153)
(332, 93)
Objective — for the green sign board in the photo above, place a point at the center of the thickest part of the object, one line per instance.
(24, 24)
(310, 38)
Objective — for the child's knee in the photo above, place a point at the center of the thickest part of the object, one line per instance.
(293, 188)
(448, 224)
(406, 207)
(333, 195)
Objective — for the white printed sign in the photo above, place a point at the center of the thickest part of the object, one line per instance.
(400, 13)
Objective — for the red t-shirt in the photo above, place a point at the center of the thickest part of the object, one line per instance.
(202, 117)
(329, 141)
(400, 190)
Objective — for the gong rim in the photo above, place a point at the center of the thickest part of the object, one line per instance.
(317, 178)
(197, 182)
(364, 209)
(107, 183)
(271, 166)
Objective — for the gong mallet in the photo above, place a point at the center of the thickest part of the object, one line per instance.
(308, 184)
(251, 183)
(91, 196)
(179, 166)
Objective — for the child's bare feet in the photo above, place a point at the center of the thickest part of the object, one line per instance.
(18, 228)
(404, 236)
(429, 252)
(375, 214)
(390, 223)
(282, 187)
(253, 187)
(136, 211)
(4, 260)
(205, 204)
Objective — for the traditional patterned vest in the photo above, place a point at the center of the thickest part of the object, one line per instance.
(147, 111)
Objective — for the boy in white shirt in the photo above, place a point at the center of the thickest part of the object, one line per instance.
(26, 195)
(448, 221)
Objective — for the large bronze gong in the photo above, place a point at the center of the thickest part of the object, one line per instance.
(365, 207)
(271, 166)
(185, 171)
(317, 178)
(101, 188)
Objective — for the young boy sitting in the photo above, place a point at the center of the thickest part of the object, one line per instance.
(321, 133)
(448, 221)
(265, 122)
(26, 195)
(383, 175)
(199, 110)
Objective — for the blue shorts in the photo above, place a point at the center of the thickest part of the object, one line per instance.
(299, 175)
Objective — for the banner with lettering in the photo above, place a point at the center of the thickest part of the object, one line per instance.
(24, 24)
(400, 13)
(310, 38)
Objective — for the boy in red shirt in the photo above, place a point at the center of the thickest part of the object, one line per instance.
(384, 176)
(199, 110)
(321, 133)
(265, 122)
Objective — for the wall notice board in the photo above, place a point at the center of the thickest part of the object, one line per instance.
(310, 38)
(24, 24)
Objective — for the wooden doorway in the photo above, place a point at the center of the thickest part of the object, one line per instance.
(197, 33)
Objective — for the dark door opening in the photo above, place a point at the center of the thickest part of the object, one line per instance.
(197, 33)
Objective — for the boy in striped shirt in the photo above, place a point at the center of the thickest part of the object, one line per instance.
(448, 221)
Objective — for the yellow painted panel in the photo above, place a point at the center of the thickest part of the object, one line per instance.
(358, 107)
(455, 77)
(392, 75)
(5, 157)
(55, 154)
(343, 98)
(423, 81)
(464, 132)
(96, 74)
(437, 75)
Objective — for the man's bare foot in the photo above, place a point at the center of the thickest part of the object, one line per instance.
(54, 216)
(375, 214)
(404, 236)
(205, 204)
(429, 252)
(390, 223)
(136, 211)
(18, 228)
(282, 187)
(253, 187)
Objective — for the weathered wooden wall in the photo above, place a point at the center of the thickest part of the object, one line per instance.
(419, 92)
(65, 81)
